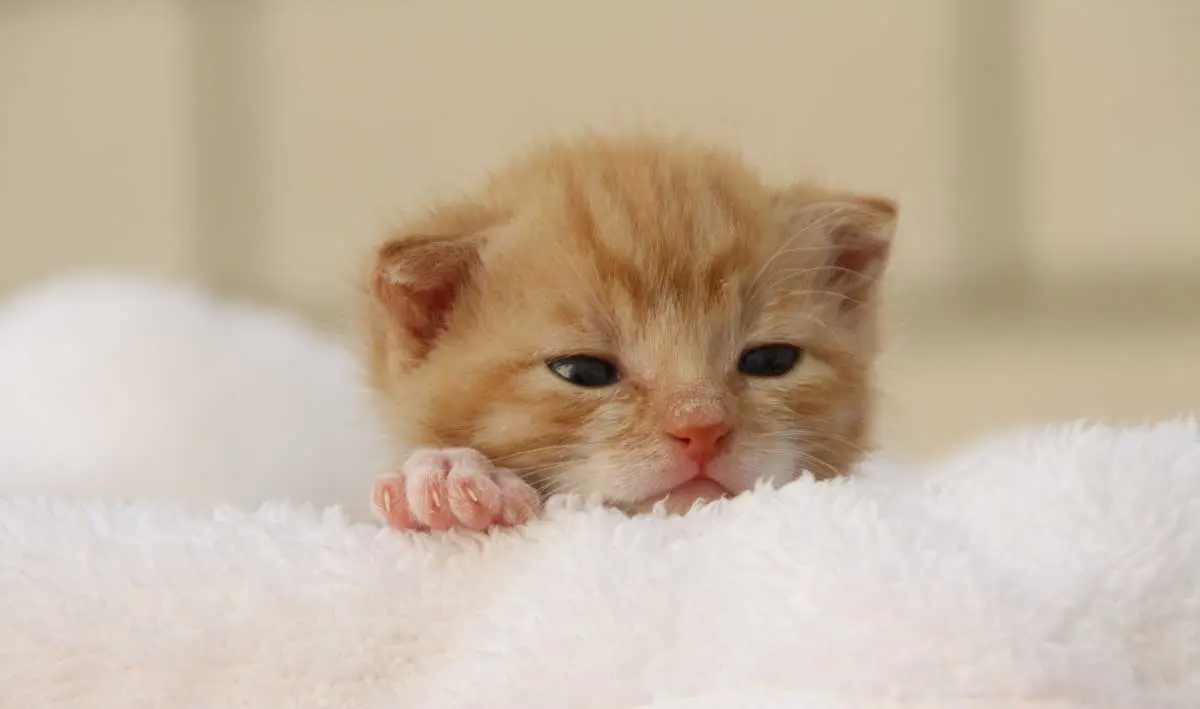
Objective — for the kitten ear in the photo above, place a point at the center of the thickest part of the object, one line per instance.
(857, 232)
(418, 280)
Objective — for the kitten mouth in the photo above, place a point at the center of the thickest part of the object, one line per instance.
(700, 486)
(700, 483)
(680, 498)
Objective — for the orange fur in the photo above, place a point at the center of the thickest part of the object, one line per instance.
(669, 259)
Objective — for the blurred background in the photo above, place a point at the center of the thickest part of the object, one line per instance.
(1046, 155)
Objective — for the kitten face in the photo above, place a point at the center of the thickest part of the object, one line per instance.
(618, 317)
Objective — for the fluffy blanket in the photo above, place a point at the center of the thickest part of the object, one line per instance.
(1056, 568)
(126, 388)
(1047, 567)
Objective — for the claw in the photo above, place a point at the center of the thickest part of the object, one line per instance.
(439, 490)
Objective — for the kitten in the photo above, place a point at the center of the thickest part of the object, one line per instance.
(633, 318)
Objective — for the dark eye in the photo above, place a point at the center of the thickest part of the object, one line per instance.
(769, 360)
(585, 370)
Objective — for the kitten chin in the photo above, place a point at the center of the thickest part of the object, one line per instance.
(624, 316)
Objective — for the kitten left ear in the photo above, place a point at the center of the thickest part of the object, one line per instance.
(855, 230)
(418, 281)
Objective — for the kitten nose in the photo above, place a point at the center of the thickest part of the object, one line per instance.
(701, 442)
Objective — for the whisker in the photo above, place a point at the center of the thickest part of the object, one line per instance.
(783, 248)
(787, 247)
(534, 451)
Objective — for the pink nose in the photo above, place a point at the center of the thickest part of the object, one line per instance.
(700, 443)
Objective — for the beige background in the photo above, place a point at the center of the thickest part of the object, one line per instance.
(1046, 155)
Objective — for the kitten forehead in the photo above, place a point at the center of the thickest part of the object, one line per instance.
(656, 221)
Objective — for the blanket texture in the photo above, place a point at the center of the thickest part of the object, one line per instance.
(1058, 567)
(1047, 567)
(131, 389)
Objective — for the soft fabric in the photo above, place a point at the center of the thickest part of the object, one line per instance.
(1053, 567)
(134, 389)
(1056, 567)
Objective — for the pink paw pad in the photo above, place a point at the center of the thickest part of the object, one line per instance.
(439, 489)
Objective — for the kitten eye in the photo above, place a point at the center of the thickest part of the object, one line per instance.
(769, 360)
(585, 370)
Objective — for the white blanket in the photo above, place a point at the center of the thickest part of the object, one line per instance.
(127, 388)
(1054, 566)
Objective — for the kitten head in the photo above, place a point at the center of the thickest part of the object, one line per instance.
(621, 316)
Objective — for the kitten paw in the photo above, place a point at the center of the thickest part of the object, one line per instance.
(439, 489)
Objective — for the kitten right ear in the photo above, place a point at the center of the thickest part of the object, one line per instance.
(418, 280)
(855, 230)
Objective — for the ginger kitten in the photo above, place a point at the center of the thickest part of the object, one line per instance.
(633, 318)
